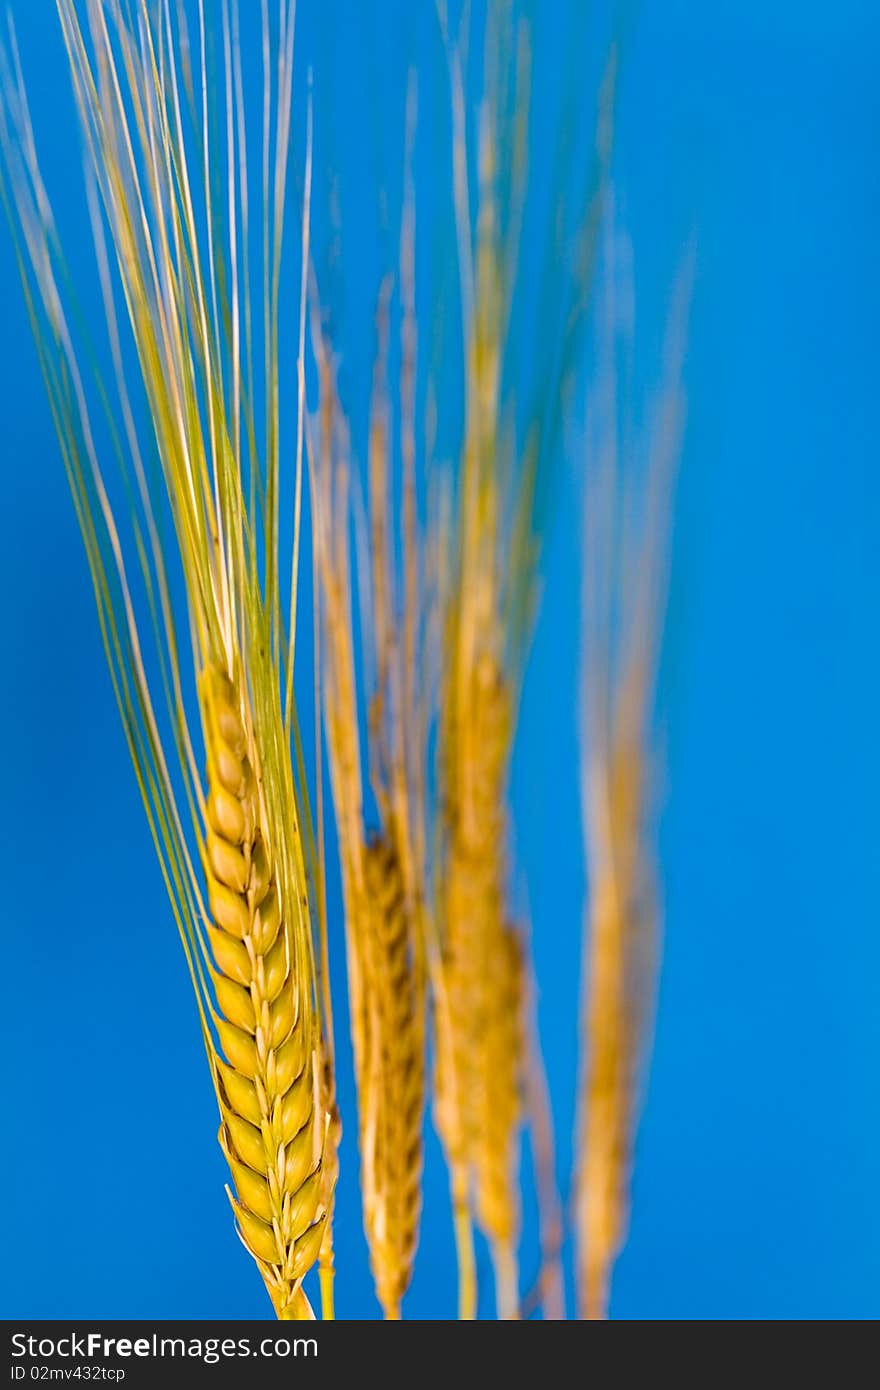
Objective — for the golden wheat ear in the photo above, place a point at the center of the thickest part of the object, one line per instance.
(237, 855)
(268, 1084)
(481, 969)
(628, 501)
(392, 1080)
(382, 873)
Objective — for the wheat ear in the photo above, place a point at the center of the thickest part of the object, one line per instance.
(379, 877)
(481, 1053)
(268, 1082)
(627, 501)
(392, 1073)
(249, 949)
(391, 1080)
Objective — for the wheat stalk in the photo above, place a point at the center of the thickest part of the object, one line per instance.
(268, 1084)
(249, 948)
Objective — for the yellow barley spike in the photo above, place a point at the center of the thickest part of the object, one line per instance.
(478, 964)
(497, 1147)
(488, 551)
(627, 504)
(480, 1067)
(603, 1179)
(391, 1079)
(172, 255)
(268, 1083)
(384, 872)
(480, 1054)
(382, 875)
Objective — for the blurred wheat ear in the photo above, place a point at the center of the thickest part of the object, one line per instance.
(184, 558)
(384, 867)
(628, 501)
(489, 1074)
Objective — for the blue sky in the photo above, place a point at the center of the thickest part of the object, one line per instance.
(755, 1190)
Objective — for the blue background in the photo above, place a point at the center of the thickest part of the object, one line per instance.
(755, 1190)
